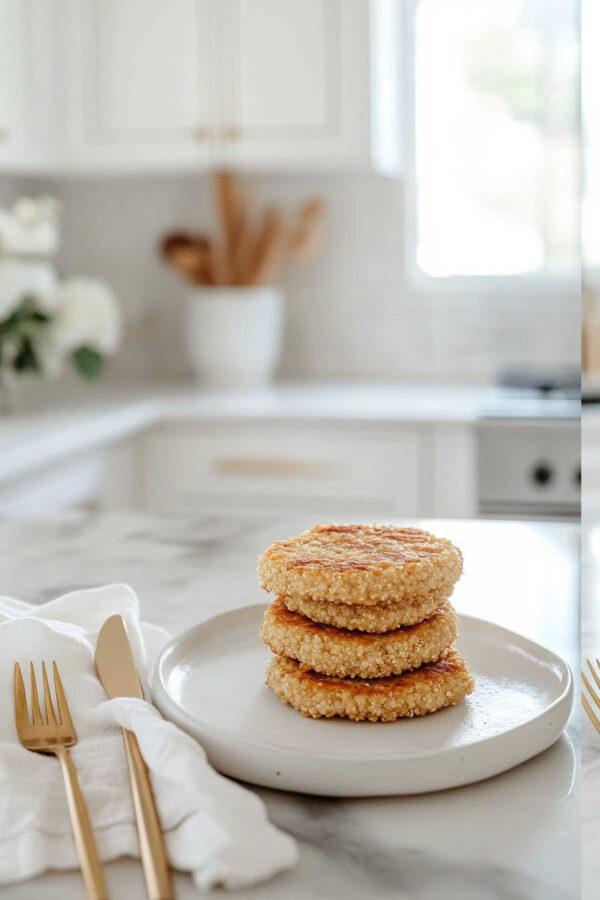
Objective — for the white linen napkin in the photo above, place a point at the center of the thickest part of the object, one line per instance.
(215, 829)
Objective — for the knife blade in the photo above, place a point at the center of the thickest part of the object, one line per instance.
(116, 670)
(114, 661)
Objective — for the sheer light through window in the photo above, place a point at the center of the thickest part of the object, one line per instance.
(496, 137)
(590, 79)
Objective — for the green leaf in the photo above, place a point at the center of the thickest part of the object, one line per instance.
(26, 359)
(88, 362)
(24, 319)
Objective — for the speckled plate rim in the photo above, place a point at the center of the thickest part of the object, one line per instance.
(199, 728)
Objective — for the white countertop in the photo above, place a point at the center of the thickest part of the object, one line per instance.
(516, 835)
(54, 425)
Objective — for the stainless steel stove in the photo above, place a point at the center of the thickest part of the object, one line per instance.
(529, 452)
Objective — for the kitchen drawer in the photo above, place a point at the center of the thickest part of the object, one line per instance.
(184, 466)
(66, 485)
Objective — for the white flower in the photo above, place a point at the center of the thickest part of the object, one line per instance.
(20, 278)
(30, 228)
(50, 357)
(86, 315)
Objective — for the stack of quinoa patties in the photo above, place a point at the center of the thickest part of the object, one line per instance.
(361, 626)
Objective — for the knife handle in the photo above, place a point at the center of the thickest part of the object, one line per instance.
(152, 845)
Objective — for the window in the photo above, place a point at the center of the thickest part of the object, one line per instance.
(590, 79)
(496, 154)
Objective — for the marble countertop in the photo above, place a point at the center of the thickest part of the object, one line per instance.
(590, 649)
(47, 426)
(514, 836)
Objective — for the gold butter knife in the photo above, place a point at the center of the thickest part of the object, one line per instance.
(117, 672)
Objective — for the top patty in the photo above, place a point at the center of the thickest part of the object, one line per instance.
(361, 564)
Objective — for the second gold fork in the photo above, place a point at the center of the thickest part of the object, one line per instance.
(594, 698)
(56, 734)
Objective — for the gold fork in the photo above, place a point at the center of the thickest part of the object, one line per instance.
(55, 735)
(593, 694)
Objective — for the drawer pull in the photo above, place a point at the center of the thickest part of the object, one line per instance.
(232, 133)
(265, 467)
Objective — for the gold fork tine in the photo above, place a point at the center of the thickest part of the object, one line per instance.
(591, 690)
(592, 715)
(50, 717)
(35, 702)
(61, 700)
(595, 675)
(585, 702)
(21, 711)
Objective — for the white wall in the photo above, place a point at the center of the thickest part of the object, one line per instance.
(351, 312)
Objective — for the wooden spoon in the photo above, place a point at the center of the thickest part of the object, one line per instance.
(271, 250)
(306, 238)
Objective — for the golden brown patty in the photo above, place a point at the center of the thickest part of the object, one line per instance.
(361, 564)
(425, 690)
(376, 619)
(335, 651)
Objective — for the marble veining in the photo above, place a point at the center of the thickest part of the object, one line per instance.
(515, 836)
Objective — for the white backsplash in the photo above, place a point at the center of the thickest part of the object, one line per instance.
(351, 313)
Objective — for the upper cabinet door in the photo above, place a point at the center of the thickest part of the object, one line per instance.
(15, 81)
(142, 82)
(296, 82)
(145, 85)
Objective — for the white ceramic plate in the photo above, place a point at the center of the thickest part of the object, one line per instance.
(210, 681)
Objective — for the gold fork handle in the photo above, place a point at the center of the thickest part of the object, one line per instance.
(82, 829)
(152, 845)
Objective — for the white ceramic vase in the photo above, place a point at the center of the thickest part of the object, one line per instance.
(233, 335)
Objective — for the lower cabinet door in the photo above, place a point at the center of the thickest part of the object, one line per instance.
(185, 467)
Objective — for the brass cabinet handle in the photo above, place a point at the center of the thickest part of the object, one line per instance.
(265, 467)
(229, 133)
(232, 133)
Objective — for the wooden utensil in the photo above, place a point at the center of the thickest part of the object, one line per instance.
(305, 239)
(188, 254)
(218, 264)
(55, 733)
(230, 213)
(244, 253)
(271, 248)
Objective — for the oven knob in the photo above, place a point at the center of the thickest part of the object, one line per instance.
(542, 474)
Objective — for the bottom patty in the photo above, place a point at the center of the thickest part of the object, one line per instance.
(337, 651)
(373, 619)
(416, 693)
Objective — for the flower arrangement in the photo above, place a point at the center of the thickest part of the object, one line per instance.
(45, 322)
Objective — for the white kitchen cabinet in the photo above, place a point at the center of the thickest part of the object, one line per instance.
(144, 85)
(15, 81)
(184, 467)
(141, 83)
(71, 484)
(300, 83)
(404, 470)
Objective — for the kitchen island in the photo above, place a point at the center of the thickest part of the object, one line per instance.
(516, 835)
